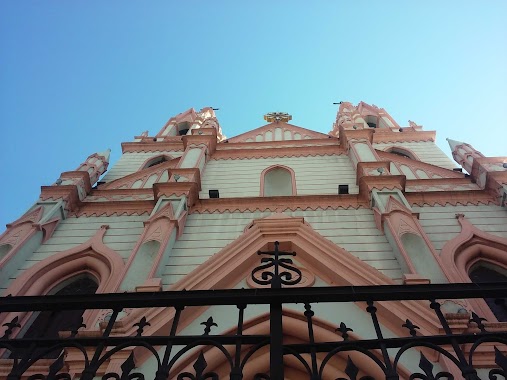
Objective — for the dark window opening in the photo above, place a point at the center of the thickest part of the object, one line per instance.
(183, 132)
(483, 274)
(400, 153)
(48, 324)
(371, 120)
(343, 189)
(156, 162)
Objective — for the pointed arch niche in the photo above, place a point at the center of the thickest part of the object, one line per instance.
(403, 152)
(471, 250)
(91, 259)
(278, 180)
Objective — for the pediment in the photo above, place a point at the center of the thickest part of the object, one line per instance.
(330, 263)
(277, 131)
(140, 179)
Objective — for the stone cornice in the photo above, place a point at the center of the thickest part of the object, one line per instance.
(210, 141)
(380, 182)
(82, 175)
(442, 198)
(282, 203)
(347, 135)
(69, 193)
(122, 192)
(268, 152)
(438, 181)
(387, 136)
(153, 146)
(278, 144)
(114, 208)
(168, 189)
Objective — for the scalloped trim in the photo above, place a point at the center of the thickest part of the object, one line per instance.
(114, 208)
(272, 155)
(275, 152)
(279, 204)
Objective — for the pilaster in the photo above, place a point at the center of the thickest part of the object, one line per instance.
(418, 259)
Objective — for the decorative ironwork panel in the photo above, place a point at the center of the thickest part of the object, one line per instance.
(238, 348)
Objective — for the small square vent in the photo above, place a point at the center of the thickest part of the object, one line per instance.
(343, 189)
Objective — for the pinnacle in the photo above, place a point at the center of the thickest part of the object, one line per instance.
(453, 143)
(105, 154)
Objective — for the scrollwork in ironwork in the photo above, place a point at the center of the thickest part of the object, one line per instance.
(277, 277)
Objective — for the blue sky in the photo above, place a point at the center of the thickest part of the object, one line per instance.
(78, 77)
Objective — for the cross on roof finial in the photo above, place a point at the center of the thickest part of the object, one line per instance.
(277, 116)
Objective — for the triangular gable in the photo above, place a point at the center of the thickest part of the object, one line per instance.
(277, 131)
(189, 115)
(432, 171)
(363, 108)
(333, 264)
(142, 175)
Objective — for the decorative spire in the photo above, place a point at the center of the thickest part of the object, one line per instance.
(454, 144)
(96, 164)
(464, 154)
(105, 154)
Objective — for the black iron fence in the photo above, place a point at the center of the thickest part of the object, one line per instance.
(238, 348)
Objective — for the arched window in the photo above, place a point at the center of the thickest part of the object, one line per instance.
(402, 152)
(48, 324)
(463, 256)
(183, 128)
(155, 161)
(484, 272)
(278, 180)
(371, 120)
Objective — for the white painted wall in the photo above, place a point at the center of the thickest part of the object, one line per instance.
(314, 175)
(441, 225)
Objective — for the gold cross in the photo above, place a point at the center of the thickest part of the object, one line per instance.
(277, 116)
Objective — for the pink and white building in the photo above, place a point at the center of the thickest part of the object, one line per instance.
(371, 203)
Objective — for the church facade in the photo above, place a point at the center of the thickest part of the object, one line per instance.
(278, 253)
